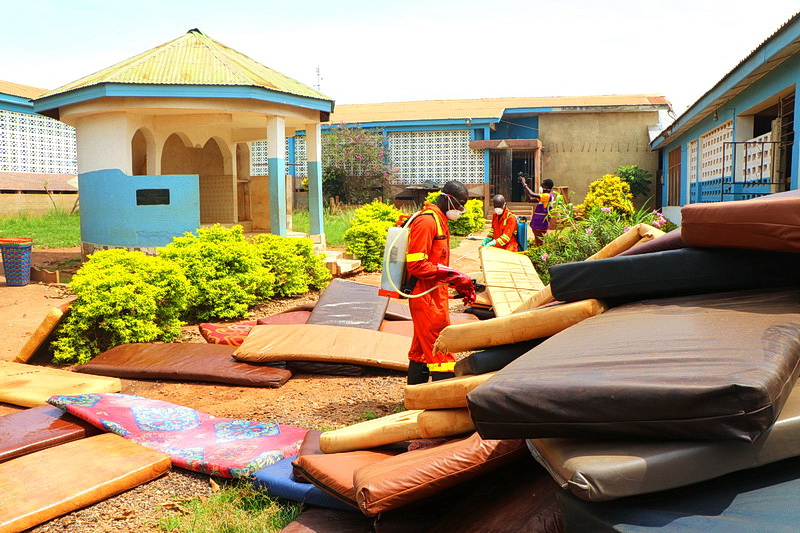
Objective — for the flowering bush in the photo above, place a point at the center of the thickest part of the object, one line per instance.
(356, 159)
(578, 238)
(609, 191)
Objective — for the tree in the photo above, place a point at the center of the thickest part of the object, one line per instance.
(355, 162)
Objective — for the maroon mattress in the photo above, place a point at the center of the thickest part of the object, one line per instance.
(715, 366)
(38, 428)
(770, 223)
(185, 362)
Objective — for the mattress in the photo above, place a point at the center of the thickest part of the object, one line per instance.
(770, 223)
(755, 500)
(331, 344)
(350, 304)
(277, 480)
(184, 362)
(601, 470)
(674, 273)
(194, 440)
(38, 428)
(71, 476)
(31, 385)
(717, 366)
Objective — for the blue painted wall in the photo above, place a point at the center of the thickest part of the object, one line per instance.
(110, 215)
(780, 78)
(517, 128)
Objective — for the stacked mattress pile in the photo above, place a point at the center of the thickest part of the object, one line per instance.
(677, 407)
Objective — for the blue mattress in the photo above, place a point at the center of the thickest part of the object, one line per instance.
(277, 479)
(750, 501)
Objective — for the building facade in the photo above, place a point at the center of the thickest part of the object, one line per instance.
(738, 141)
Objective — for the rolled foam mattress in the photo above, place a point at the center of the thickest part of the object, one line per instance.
(38, 428)
(751, 501)
(597, 470)
(184, 362)
(41, 486)
(770, 222)
(674, 273)
(717, 366)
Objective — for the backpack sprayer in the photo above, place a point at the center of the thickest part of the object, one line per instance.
(394, 264)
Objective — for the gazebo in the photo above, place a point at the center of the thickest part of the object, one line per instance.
(163, 137)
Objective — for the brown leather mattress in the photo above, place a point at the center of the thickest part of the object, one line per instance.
(346, 303)
(184, 362)
(771, 223)
(716, 366)
(38, 428)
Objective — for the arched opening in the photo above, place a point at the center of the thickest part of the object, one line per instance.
(217, 195)
(139, 154)
(243, 181)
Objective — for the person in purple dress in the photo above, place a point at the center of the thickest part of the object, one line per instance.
(540, 221)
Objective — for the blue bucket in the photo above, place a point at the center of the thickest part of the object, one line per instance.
(16, 260)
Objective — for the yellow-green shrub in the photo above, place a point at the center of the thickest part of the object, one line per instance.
(227, 272)
(293, 262)
(609, 191)
(366, 236)
(471, 221)
(122, 297)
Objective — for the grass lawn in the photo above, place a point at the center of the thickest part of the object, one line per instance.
(56, 229)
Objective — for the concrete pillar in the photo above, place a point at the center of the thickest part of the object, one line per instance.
(276, 161)
(314, 170)
(103, 142)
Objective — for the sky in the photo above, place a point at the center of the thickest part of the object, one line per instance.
(358, 51)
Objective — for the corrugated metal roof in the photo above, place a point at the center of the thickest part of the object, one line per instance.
(30, 181)
(193, 59)
(482, 107)
(15, 89)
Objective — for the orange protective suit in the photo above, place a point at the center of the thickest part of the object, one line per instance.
(504, 230)
(428, 246)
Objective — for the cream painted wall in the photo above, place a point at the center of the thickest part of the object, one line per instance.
(580, 148)
(104, 142)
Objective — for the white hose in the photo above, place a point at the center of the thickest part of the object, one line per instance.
(389, 274)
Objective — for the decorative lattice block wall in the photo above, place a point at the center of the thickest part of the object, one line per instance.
(712, 164)
(758, 157)
(692, 161)
(35, 143)
(435, 156)
(418, 156)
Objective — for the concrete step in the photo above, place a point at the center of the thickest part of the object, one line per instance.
(340, 263)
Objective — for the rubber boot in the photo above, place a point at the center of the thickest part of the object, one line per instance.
(417, 373)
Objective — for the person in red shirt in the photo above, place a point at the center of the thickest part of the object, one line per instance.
(504, 226)
(427, 264)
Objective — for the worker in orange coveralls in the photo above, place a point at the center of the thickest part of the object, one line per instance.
(427, 263)
(504, 226)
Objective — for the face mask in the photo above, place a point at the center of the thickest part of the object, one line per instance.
(499, 210)
(452, 214)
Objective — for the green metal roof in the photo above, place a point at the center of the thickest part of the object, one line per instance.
(193, 59)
